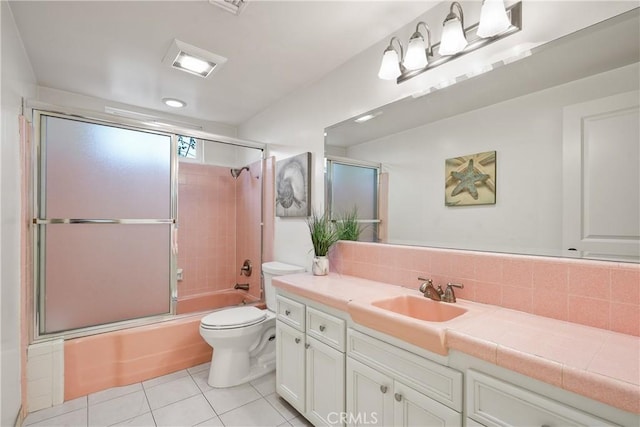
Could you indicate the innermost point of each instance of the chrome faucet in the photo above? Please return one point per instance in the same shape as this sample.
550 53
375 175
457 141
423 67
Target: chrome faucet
449 295
429 291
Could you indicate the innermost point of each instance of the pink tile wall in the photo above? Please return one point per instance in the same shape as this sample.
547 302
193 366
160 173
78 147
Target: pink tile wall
206 228
249 217
595 293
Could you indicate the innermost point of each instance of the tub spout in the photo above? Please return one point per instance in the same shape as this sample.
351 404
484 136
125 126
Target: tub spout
243 286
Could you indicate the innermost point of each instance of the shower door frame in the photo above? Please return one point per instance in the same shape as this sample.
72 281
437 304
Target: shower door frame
39 239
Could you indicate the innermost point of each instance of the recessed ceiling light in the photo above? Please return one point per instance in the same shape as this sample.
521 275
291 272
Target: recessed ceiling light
367 117
192 59
194 65
175 103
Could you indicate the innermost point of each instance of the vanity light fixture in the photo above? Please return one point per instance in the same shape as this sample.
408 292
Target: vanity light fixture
391 65
174 103
453 39
417 52
493 18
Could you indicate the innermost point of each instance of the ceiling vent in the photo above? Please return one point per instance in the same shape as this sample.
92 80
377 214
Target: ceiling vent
192 59
232 6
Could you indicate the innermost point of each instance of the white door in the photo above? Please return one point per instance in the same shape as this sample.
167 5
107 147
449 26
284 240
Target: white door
325 384
414 409
601 177
369 396
290 368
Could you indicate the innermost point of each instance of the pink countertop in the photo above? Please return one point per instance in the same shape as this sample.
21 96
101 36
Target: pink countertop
595 363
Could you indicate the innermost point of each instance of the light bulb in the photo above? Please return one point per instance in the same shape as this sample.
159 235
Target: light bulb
390 66
416 57
453 38
493 18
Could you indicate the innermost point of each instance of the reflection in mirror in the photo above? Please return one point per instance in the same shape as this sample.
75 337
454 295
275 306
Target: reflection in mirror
564 122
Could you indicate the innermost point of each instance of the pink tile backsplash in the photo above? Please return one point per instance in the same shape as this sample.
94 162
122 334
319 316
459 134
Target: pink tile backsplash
601 294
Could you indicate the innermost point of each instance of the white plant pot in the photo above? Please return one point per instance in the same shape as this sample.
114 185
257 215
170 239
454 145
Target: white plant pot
320 266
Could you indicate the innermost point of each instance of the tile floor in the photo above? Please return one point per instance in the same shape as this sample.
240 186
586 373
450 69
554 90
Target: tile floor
182 398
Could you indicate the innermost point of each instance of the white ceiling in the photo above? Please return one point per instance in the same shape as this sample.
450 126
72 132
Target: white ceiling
114 49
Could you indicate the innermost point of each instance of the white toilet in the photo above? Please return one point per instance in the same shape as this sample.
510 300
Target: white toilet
243 338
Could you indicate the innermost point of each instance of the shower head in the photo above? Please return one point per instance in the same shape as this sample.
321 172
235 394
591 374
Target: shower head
235 172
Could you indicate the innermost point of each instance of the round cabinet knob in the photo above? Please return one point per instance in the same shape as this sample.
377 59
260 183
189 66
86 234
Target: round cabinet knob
307 345
398 397
322 328
287 312
297 340
383 389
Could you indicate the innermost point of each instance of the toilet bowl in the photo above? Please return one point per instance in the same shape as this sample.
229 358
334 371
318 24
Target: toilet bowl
243 338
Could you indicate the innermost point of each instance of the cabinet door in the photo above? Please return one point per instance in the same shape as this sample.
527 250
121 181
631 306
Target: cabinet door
369 396
290 367
412 408
325 384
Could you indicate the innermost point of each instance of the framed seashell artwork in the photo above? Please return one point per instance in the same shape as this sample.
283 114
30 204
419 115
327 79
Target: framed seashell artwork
293 186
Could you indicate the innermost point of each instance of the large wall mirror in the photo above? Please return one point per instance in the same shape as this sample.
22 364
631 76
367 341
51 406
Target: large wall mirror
564 123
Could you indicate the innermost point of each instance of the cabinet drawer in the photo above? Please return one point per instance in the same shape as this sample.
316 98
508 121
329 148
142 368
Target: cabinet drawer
290 312
440 383
326 328
493 402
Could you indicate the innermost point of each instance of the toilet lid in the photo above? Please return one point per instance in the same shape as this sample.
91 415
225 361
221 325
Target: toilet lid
233 318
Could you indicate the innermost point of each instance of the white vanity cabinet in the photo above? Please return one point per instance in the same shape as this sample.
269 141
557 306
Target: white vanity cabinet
310 361
388 386
493 402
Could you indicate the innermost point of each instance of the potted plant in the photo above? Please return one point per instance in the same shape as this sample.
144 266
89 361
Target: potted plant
348 227
323 236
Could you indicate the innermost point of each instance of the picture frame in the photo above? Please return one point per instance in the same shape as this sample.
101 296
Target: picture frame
471 180
293 186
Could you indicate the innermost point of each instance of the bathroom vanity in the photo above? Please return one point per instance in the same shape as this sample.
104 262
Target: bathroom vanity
339 364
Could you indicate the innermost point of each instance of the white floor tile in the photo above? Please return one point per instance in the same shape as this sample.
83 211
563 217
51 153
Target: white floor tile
77 418
165 378
282 406
188 412
43 414
213 422
144 420
114 392
266 384
199 368
300 422
171 392
118 409
255 414
226 399
201 379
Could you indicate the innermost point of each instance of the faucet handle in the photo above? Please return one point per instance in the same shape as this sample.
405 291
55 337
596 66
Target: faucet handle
449 294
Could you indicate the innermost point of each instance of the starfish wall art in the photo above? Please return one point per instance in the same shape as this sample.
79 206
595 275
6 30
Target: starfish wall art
471 180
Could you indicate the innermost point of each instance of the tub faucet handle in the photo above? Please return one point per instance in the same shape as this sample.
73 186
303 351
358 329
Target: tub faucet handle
246 268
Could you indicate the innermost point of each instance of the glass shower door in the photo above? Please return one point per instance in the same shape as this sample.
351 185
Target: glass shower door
106 213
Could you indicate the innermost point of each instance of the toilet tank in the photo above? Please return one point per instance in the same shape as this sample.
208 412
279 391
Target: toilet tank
270 270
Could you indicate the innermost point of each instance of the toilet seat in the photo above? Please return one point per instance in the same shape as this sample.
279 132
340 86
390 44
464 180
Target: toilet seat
233 318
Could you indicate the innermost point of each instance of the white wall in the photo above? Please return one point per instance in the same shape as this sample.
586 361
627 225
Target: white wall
298 121
526 132
17 80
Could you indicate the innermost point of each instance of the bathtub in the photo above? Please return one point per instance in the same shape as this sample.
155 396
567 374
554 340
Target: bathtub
132 355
